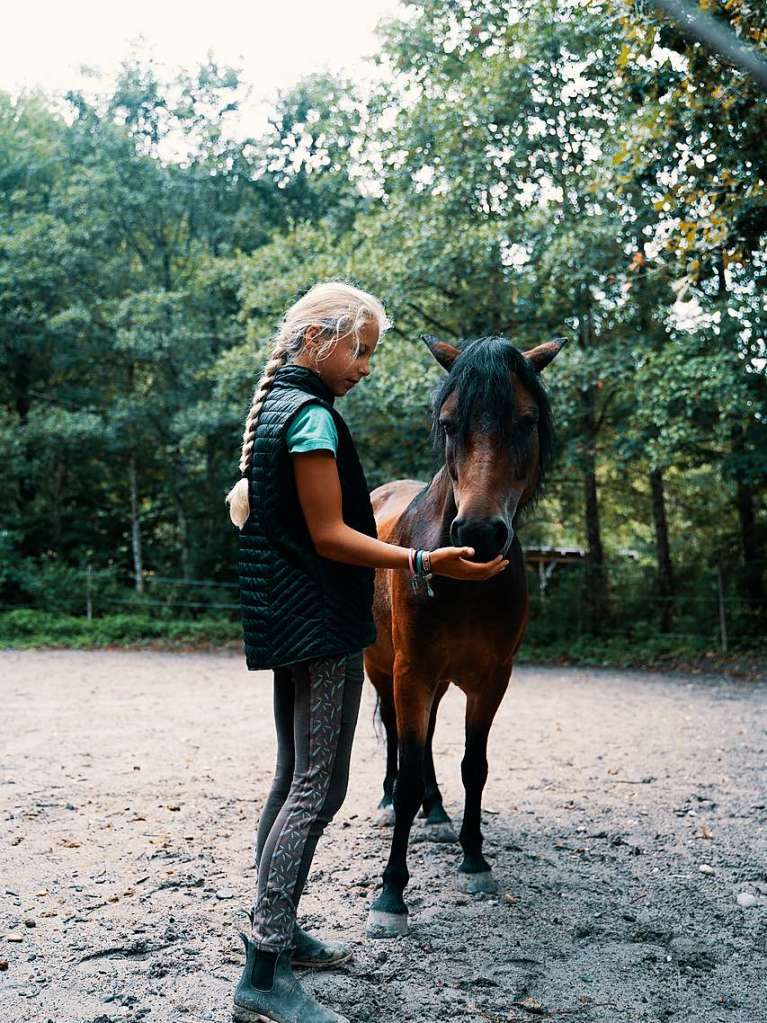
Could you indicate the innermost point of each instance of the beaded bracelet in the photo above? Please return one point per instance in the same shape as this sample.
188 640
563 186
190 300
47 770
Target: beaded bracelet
420 567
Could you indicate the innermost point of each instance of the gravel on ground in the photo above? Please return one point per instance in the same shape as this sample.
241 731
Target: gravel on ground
624 818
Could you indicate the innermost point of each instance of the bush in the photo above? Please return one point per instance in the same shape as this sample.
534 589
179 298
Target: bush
618 651
27 627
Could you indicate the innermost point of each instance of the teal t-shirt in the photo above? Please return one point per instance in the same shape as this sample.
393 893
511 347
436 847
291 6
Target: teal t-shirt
312 429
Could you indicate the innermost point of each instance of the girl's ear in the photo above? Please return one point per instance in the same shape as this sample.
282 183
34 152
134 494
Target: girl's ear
310 335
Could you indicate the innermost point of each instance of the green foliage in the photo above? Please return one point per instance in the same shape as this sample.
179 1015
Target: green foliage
533 170
25 628
694 135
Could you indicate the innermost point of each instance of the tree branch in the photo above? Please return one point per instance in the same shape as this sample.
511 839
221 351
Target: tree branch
722 41
430 319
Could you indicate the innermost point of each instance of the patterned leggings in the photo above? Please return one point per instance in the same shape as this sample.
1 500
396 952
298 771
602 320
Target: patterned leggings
316 704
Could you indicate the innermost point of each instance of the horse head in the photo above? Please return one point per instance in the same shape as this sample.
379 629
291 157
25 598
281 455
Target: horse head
492 430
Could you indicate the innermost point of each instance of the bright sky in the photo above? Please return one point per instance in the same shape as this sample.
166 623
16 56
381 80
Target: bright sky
274 42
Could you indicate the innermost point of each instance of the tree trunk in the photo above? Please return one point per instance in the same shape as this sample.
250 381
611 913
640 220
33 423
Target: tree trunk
56 480
654 334
596 577
663 551
26 480
596 596
752 553
21 384
182 529
138 564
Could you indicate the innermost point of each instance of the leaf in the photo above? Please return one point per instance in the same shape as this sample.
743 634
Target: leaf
531 1004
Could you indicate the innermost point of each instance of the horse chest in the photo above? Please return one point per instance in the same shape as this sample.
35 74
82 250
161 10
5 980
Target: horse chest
462 626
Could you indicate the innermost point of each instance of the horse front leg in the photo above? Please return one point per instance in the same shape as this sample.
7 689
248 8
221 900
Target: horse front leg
439 827
413 700
385 688
481 706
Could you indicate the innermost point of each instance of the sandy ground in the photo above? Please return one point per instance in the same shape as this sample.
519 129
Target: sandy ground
130 785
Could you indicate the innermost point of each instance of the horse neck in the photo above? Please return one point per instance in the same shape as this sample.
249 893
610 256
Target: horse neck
430 522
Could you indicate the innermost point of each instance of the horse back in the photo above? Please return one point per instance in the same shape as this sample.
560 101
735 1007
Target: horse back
390 500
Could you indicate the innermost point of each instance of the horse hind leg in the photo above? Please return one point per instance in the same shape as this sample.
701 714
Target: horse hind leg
438 826
385 688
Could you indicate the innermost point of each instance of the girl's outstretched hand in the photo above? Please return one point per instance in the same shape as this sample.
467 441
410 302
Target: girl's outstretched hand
450 561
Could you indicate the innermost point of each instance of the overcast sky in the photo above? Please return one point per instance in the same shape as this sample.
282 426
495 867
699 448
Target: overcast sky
44 42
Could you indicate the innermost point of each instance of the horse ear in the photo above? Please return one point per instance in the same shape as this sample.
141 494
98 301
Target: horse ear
540 357
444 353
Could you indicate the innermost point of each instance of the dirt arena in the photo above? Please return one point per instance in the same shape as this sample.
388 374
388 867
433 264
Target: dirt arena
624 816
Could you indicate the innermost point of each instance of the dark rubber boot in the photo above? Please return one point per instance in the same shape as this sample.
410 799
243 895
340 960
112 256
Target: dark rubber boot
311 952
285 1002
320 955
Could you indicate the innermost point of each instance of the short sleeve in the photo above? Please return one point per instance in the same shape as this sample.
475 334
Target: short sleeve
312 429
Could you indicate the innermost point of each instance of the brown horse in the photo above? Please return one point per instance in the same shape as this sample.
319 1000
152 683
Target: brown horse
492 434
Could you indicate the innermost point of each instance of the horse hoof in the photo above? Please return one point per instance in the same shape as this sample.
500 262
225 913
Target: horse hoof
442 832
473 884
386 925
385 817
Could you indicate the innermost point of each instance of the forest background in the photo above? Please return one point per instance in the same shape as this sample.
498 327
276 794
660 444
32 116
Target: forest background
536 169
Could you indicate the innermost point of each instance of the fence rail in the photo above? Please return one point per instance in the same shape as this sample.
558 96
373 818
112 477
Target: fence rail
706 616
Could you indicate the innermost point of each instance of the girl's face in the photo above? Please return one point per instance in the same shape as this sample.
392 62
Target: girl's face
342 369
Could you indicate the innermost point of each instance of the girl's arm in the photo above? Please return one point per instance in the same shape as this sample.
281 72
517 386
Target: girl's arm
319 492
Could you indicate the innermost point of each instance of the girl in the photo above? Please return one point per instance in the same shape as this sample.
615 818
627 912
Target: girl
308 551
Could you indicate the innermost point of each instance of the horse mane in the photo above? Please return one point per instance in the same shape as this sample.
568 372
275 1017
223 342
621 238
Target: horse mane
481 374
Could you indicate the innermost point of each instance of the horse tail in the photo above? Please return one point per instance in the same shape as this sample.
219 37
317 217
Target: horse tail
378 719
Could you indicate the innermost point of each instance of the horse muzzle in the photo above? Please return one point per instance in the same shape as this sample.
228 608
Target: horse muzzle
488 536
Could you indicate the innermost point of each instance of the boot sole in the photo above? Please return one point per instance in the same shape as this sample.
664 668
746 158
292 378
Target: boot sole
321 965
240 1015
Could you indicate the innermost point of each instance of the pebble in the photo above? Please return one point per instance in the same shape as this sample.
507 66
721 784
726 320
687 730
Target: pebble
746 900
30 922
3 965
706 868
225 893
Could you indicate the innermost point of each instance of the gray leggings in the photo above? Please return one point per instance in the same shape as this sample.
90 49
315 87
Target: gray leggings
316 704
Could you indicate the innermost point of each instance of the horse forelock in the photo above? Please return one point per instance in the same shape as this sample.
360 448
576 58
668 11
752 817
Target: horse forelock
481 379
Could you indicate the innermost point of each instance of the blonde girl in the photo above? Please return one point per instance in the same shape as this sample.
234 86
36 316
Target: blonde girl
308 554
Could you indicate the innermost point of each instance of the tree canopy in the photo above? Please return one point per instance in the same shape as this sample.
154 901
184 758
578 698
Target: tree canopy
532 170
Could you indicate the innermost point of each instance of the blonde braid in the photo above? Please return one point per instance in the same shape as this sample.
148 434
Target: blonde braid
278 359
238 497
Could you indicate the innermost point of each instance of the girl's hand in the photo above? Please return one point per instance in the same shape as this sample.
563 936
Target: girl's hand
450 561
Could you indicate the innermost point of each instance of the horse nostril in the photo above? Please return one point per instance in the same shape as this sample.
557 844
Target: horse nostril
456 532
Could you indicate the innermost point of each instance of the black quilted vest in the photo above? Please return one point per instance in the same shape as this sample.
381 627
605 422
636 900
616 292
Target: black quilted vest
295 604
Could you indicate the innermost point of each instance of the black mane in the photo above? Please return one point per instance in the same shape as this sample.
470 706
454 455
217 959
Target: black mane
486 399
